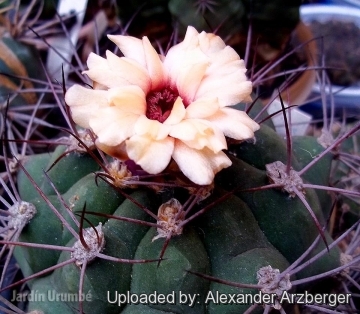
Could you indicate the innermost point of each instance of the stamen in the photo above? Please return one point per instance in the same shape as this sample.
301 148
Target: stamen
160 104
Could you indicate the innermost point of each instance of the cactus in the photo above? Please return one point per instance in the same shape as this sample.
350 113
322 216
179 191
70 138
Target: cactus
232 240
237 234
94 234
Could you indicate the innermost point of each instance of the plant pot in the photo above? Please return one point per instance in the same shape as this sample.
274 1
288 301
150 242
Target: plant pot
345 98
299 89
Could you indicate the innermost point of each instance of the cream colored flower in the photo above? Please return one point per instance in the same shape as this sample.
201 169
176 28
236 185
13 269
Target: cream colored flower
152 108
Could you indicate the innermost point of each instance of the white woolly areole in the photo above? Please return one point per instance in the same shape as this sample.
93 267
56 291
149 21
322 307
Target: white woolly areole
86 138
95 241
21 213
344 260
169 219
276 172
271 282
120 174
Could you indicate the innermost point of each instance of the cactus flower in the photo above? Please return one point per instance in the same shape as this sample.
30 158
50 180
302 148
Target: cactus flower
153 108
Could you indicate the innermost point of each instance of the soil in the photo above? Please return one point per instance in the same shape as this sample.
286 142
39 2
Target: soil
340 43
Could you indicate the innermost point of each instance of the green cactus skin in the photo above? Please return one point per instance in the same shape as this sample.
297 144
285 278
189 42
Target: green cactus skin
35 165
243 267
184 253
351 208
46 228
306 148
237 249
259 155
42 286
230 241
122 239
281 217
256 107
80 165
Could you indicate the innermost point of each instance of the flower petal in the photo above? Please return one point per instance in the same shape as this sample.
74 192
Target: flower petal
191 37
105 123
118 151
153 65
119 72
177 113
151 128
198 134
131 47
128 99
230 89
200 166
183 55
152 156
202 108
225 72
189 43
207 75
83 102
144 53
131 70
223 57
189 80
234 123
210 43
94 60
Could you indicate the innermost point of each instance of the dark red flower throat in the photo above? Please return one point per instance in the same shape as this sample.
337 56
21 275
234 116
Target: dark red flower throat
160 103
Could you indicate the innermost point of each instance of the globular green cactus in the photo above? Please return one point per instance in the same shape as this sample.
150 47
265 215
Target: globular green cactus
240 232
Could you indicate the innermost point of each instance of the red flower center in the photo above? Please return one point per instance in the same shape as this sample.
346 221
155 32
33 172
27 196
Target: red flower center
160 103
